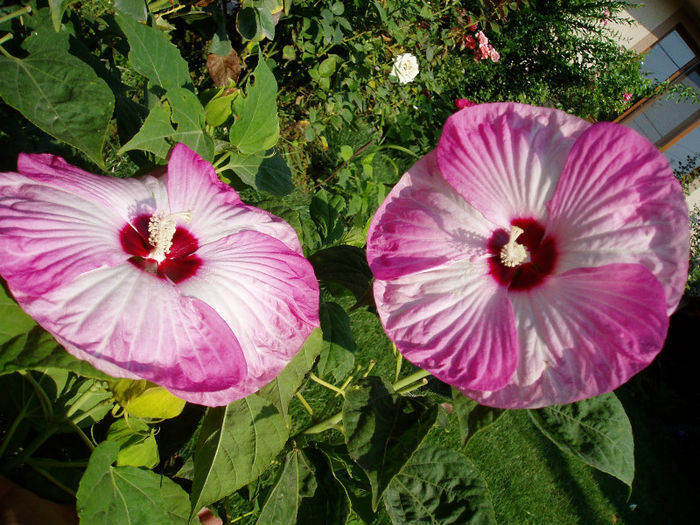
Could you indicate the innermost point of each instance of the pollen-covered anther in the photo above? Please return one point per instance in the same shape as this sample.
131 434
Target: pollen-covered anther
514 254
161 229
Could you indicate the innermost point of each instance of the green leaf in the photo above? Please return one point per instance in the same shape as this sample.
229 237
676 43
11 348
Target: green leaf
345 265
218 109
267 23
58 7
236 444
256 128
439 486
329 504
134 8
337 356
14 321
352 479
383 429
137 443
327 67
296 481
188 117
141 398
325 211
266 171
153 55
127 495
179 118
58 93
346 152
597 430
472 416
153 134
248 23
280 390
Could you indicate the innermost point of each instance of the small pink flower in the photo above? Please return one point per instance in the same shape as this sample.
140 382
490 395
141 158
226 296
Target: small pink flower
472 27
171 279
494 55
483 40
485 51
462 103
626 96
469 42
533 258
606 15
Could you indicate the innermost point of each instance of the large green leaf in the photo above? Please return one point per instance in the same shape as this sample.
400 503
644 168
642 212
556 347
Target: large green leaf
265 171
137 443
127 495
256 128
383 429
153 55
439 487
296 481
134 8
337 356
179 117
236 444
597 430
345 265
280 390
352 479
329 504
472 416
57 92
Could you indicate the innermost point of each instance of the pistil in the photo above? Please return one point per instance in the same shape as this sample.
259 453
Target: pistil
161 229
514 254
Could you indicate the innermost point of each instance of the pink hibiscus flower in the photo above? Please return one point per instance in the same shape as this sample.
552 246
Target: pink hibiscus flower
626 97
483 39
494 55
533 258
171 279
469 42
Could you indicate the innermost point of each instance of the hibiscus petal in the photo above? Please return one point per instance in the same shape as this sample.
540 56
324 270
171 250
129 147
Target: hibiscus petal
130 323
266 293
49 236
127 198
424 223
505 159
618 202
583 333
454 321
217 210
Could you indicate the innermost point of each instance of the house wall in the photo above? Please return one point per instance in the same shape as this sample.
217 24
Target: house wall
653 20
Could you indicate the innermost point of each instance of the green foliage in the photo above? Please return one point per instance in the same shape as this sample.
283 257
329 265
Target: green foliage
127 495
439 486
597 430
236 444
56 91
472 416
383 429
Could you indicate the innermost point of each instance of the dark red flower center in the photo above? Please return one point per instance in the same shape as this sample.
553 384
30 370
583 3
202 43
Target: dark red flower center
542 256
179 263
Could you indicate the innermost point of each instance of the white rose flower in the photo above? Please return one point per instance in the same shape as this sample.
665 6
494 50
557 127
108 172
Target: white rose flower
405 68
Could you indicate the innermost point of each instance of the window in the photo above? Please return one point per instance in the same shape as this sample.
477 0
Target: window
672 125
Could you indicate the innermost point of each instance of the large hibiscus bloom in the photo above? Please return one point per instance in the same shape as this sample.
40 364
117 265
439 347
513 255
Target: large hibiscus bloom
171 279
533 258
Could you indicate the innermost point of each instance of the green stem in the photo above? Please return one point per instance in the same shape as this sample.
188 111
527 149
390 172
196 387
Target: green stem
81 434
305 403
325 424
27 452
403 386
408 380
327 385
53 479
44 400
14 14
6 38
239 518
10 432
